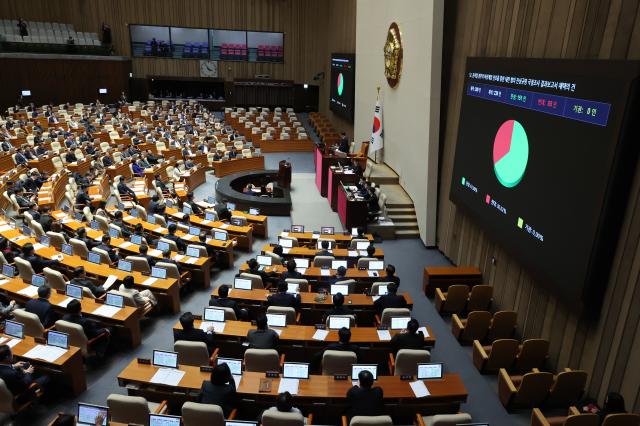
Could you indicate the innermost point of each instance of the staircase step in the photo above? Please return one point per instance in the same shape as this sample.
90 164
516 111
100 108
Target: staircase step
407 234
402 218
401 210
385 180
406 226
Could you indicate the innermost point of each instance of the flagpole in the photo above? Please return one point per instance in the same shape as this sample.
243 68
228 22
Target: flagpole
375 155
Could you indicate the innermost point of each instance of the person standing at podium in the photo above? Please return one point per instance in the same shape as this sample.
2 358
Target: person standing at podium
343 145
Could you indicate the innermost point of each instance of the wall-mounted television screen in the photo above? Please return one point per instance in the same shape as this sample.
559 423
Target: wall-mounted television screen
342 92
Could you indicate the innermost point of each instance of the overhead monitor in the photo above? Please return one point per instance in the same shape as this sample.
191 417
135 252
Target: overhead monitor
342 91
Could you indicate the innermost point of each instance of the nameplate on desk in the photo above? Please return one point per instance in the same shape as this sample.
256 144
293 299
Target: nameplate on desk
197 317
340 377
362 268
321 326
146 361
406 377
206 369
265 385
272 374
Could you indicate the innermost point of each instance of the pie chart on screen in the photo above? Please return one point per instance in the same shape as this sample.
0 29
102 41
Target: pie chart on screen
340 84
510 153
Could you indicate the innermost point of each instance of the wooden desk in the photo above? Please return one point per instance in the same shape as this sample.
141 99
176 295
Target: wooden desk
43 164
353 212
119 169
338 253
312 237
126 321
69 366
80 167
51 192
444 276
195 178
312 310
336 179
318 393
258 222
227 167
322 163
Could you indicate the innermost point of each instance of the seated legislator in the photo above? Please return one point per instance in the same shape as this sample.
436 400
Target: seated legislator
106 246
341 273
262 337
7 310
37 263
144 249
254 268
222 300
363 399
81 234
140 297
91 328
173 237
220 390
284 404
411 338
343 343
291 271
282 298
80 279
390 275
324 244
19 377
192 334
42 307
117 220
338 307
390 300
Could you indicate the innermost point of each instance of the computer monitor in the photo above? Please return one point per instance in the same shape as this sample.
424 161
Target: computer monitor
87 414
399 323
295 370
293 288
277 320
74 291
335 264
133 212
102 91
124 265
25 92
286 243
194 230
254 211
38 280
14 329
213 314
362 245
151 219
376 265
136 239
165 359
192 251
235 365
354 232
94 225
357 368
297 228
340 288
236 221
44 240
327 230
186 210
337 322
264 260
158 272
430 370
242 283
26 230
231 206
301 263
163 246
164 420
67 249
382 290
239 423
8 271
114 233
220 236
319 245
210 216
116 300
57 338
94 257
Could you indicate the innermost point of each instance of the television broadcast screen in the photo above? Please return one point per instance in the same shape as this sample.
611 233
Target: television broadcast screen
343 78
542 163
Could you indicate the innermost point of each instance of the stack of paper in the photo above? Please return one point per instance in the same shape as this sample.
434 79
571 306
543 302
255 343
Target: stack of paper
192 260
4 228
65 302
29 291
218 326
289 385
149 281
168 376
125 244
419 389
320 334
47 353
12 342
38 246
178 257
107 311
3 282
237 378
325 272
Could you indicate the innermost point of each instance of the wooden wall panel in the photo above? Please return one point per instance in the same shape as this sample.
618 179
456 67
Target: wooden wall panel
605 29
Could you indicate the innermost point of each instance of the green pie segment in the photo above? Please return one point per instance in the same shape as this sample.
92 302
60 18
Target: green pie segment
510 153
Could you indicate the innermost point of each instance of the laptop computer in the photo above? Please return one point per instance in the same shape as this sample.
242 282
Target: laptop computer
297 228
94 225
231 206
192 251
163 246
151 219
8 271
67 249
116 300
213 314
399 323
94 257
362 245
335 264
276 320
164 420
38 280
14 329
319 245
354 232
235 365
44 240
113 233
242 283
357 368
57 338
165 359
430 370
301 263
124 265
336 322
220 236
286 243
87 414
209 216
136 239
194 230
339 288
295 370
376 265
264 260
186 210
74 291
158 272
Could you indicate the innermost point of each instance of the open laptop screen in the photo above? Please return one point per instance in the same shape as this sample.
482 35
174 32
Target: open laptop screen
430 370
357 368
295 370
87 414
336 322
165 359
235 365
277 320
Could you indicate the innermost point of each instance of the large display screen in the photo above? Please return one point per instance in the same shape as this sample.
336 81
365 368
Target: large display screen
341 95
542 156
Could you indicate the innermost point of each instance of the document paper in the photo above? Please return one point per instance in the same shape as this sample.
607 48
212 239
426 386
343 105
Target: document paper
419 389
47 353
168 376
289 385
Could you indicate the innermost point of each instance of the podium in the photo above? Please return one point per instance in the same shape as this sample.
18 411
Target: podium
284 174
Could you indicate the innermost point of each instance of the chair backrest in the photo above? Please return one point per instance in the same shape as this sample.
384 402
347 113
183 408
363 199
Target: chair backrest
6 399
79 247
375 287
581 420
476 326
388 313
86 211
128 409
172 244
303 284
229 313
288 311
139 264
320 261
25 270
480 297
456 299
191 353
533 354
56 239
240 219
407 361
256 280
533 389
354 242
502 325
450 419
275 258
352 319
37 228
142 212
371 421
261 360
77 337
278 418
622 419
338 362
116 228
202 250
363 262
567 388
160 220
103 223
503 353
104 256
55 279
32 325
195 414
172 269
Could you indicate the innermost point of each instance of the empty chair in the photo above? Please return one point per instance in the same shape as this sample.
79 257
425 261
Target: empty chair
278 418
292 317
480 298
443 419
261 360
338 362
475 327
191 353
453 301
256 280
503 325
132 409
388 313
490 359
574 418
405 362
25 270
323 261
567 388
369 421
79 247
622 419
532 354
32 325
195 414
526 391
139 263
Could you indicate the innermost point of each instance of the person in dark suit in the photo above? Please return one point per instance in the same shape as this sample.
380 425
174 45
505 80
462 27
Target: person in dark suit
173 237
143 249
262 337
338 307
33 211
411 338
91 328
21 199
390 275
81 234
82 197
70 157
390 300
254 268
343 145
123 189
343 343
220 390
20 158
195 209
107 161
37 263
156 206
324 249
117 220
42 307
19 377
222 300
363 399
192 334
282 298
341 273
80 279
291 271
106 246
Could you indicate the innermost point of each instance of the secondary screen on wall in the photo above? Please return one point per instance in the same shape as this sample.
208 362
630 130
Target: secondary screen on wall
341 95
536 163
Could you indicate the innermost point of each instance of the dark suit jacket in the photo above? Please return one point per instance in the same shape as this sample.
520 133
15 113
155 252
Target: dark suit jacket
112 253
407 341
341 310
222 395
83 282
225 303
263 339
390 301
349 347
91 328
364 402
195 335
83 198
16 380
181 244
384 279
43 309
284 299
294 274
38 263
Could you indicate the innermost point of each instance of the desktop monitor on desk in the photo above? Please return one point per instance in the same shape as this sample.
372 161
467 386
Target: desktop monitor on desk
297 228
14 329
235 365
164 420
57 338
338 322
87 414
165 359
115 300
74 291
295 370
357 368
277 320
430 370
301 262
214 314
158 272
38 280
